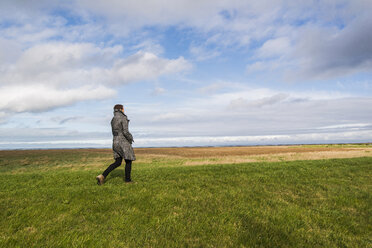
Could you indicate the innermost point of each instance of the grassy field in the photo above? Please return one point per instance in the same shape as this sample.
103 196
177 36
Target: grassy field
189 197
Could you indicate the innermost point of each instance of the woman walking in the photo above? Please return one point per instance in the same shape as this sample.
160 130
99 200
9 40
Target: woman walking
122 145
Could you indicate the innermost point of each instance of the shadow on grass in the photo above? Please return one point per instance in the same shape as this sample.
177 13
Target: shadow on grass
116 173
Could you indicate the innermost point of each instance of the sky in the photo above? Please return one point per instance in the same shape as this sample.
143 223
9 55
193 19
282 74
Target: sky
189 73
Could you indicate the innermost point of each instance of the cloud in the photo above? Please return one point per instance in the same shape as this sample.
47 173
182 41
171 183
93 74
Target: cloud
324 53
240 103
57 53
62 121
301 138
352 126
56 74
60 64
158 91
37 98
145 66
26 134
321 39
215 87
169 117
274 48
149 46
3 117
10 51
271 65
141 13
274 117
201 53
258 111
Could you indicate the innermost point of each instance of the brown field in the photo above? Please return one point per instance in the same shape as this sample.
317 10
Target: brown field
189 156
228 155
197 152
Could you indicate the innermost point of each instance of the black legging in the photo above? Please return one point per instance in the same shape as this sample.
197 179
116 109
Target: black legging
117 163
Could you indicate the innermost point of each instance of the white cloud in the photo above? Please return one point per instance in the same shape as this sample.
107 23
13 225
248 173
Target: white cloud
329 49
348 126
256 66
3 116
201 53
267 65
274 48
38 98
241 103
59 64
149 46
49 60
145 66
57 74
158 91
258 111
218 86
169 117
9 52
253 96
141 13
270 117
301 138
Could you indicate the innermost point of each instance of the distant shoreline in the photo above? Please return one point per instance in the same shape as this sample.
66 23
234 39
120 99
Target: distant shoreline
157 147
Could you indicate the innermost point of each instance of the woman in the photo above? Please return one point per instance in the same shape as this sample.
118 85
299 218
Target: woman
122 145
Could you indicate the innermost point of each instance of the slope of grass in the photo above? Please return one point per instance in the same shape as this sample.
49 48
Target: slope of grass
50 199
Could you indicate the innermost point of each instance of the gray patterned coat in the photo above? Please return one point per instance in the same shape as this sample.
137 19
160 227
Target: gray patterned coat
123 139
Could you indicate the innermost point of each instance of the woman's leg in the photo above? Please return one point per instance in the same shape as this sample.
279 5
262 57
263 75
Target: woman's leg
112 166
128 169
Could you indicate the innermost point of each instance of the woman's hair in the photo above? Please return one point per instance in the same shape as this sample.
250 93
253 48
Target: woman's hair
118 106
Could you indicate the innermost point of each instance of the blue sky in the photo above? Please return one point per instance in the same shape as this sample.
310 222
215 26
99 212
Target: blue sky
189 73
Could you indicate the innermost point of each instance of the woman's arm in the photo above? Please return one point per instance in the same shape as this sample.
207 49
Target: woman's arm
126 132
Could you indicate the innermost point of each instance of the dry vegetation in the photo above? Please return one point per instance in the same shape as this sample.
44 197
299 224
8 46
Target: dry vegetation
190 156
197 152
231 155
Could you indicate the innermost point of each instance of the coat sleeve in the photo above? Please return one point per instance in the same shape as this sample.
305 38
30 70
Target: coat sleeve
126 132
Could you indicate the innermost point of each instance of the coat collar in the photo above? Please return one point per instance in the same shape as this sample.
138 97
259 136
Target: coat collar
118 112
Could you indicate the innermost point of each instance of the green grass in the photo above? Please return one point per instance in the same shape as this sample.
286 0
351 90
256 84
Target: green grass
50 199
